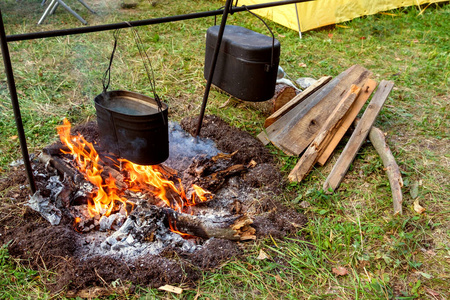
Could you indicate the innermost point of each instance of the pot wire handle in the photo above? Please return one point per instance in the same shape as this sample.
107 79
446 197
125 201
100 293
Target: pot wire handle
107 75
270 30
147 65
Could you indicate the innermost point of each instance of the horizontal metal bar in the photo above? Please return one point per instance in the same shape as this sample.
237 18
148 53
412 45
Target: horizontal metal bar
96 28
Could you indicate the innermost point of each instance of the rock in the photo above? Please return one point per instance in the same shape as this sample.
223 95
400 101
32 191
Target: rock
305 82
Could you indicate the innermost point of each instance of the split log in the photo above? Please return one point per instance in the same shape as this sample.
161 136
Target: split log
279 112
294 131
358 137
348 120
235 228
378 140
283 94
313 152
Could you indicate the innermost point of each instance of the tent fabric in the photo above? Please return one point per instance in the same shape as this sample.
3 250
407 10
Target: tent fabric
321 13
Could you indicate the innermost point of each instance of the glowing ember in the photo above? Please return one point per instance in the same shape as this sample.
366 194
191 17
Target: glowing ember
147 179
173 228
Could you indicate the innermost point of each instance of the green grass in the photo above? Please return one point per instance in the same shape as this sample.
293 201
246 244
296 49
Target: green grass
387 257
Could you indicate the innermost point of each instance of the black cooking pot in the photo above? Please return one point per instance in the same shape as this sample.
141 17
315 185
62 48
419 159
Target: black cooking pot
133 126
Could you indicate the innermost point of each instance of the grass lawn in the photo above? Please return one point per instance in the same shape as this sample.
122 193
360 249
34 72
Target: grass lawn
384 256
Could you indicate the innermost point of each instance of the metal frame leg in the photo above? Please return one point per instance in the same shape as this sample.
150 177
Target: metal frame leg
54 8
47 11
85 5
54 4
72 12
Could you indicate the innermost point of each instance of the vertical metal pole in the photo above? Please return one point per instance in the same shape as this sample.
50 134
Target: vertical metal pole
213 65
298 21
15 104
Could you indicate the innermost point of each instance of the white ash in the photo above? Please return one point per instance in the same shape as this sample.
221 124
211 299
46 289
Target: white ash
112 222
45 208
142 233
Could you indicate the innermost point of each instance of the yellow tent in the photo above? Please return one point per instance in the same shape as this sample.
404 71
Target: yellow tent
309 15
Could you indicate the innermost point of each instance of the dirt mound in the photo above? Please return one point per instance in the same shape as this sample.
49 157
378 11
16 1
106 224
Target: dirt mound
57 248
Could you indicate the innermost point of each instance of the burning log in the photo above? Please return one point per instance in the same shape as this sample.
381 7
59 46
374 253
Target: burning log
63 168
236 228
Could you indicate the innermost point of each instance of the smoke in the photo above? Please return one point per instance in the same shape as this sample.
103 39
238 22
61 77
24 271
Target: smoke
183 147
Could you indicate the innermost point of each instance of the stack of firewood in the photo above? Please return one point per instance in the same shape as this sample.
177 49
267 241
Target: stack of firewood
313 122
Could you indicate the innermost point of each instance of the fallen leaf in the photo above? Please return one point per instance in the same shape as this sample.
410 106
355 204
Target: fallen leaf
13 137
278 278
427 276
418 208
330 35
262 255
340 271
302 65
171 289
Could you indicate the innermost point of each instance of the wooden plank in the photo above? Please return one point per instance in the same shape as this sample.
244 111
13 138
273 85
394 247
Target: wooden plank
280 111
294 131
358 137
302 108
312 153
366 91
262 136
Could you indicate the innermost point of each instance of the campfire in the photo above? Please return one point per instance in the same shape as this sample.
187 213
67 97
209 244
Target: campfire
117 204
112 219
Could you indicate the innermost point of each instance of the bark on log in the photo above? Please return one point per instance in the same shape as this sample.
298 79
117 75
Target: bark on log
378 140
235 228
282 95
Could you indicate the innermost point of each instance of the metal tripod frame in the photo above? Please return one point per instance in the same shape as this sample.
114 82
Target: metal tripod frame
4 40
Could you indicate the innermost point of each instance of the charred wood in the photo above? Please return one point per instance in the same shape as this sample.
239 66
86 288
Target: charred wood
235 228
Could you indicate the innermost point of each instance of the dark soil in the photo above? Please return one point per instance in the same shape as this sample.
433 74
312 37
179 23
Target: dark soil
55 248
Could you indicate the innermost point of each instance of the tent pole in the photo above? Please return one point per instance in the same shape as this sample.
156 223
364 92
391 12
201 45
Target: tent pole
298 21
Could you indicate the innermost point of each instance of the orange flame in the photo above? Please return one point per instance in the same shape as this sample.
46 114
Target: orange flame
87 161
150 179
173 228
139 178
